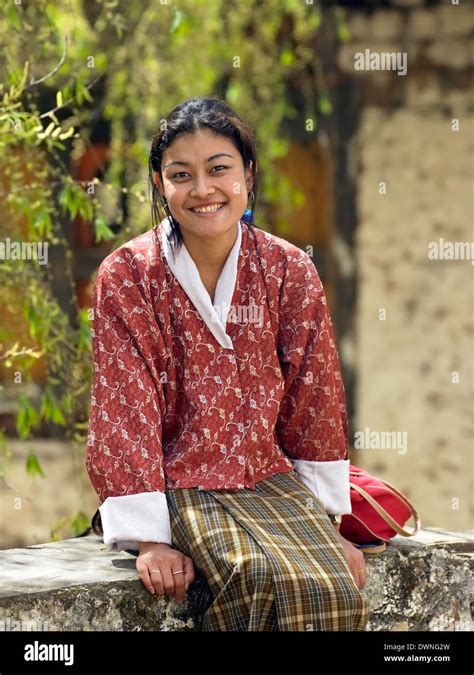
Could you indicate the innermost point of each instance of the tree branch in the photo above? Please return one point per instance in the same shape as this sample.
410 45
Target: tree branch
34 82
58 107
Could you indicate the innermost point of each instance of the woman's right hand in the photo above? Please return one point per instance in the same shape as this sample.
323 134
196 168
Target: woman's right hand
156 564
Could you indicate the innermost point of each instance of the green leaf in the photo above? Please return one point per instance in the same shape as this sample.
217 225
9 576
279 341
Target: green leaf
27 417
47 131
33 467
102 230
343 32
234 92
67 134
35 325
67 403
177 18
84 341
43 223
57 416
287 58
67 199
279 147
13 16
50 410
72 198
79 522
181 25
342 29
82 93
84 205
325 105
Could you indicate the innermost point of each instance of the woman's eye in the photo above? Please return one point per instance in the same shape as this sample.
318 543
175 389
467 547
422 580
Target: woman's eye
219 167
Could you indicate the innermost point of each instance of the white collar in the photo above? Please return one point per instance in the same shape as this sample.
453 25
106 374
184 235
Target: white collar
184 269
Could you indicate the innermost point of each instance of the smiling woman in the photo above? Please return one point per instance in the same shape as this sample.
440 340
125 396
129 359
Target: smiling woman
196 135
206 197
203 169
218 444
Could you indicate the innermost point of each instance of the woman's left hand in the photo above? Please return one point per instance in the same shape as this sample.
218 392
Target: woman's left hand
356 561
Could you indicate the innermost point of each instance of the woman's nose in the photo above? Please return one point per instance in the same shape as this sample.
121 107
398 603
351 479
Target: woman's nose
202 187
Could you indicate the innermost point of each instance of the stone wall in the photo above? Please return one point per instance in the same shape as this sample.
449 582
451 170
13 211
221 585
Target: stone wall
411 158
415 585
32 508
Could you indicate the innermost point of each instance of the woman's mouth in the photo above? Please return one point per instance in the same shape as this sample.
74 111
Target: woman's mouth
208 211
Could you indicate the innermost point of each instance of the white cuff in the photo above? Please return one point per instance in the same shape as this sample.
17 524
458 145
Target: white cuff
329 481
130 519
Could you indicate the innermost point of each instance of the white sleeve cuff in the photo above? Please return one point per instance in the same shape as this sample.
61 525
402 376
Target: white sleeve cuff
329 481
130 519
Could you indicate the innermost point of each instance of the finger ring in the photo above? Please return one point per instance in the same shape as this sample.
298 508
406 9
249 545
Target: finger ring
180 572
151 571
362 569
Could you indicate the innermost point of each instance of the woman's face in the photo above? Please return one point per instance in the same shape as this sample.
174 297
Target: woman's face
204 169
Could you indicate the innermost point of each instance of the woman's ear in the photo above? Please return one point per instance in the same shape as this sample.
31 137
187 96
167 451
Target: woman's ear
249 176
159 185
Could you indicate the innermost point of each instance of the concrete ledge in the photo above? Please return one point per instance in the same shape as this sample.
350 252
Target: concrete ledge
420 584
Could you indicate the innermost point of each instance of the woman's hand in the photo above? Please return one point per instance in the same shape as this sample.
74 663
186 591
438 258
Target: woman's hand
164 570
356 561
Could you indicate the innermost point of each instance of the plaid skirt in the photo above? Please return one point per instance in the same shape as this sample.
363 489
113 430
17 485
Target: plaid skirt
270 556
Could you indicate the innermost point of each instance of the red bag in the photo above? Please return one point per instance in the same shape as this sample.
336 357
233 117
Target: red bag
379 510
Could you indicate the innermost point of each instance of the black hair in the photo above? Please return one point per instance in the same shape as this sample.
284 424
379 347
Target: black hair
188 117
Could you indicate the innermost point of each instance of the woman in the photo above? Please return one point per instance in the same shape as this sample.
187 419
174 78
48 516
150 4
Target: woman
218 428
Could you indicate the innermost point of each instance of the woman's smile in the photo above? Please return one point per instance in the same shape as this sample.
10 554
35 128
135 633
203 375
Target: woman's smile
208 211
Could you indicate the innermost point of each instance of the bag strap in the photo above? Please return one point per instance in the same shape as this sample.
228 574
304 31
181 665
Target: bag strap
385 515
390 488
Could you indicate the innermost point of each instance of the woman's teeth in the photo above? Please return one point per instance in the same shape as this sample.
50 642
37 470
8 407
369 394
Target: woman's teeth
208 209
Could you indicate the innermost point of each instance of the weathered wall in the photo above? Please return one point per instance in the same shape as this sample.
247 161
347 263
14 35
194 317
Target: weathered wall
31 507
415 585
405 361
75 584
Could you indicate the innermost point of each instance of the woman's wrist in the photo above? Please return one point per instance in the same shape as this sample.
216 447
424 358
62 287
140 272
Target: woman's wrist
144 546
335 520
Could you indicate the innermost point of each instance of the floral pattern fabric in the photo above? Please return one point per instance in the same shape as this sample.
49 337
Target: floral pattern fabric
173 408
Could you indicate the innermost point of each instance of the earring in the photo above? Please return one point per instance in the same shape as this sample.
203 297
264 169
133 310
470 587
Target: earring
251 195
